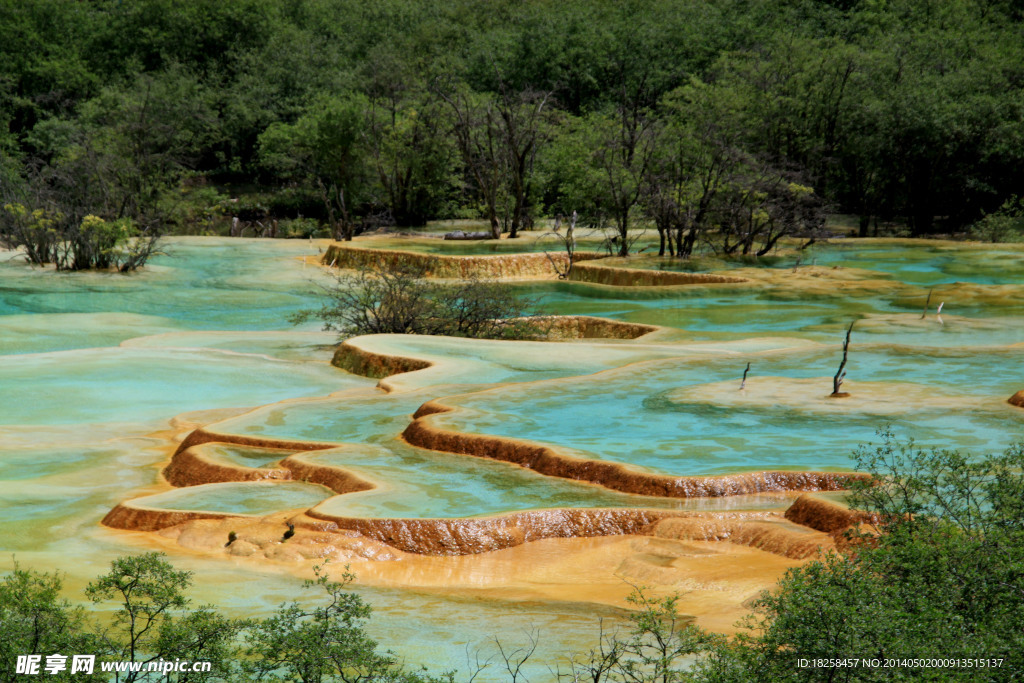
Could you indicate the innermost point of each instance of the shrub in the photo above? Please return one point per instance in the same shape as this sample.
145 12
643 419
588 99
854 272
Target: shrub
54 236
1006 224
941 579
403 301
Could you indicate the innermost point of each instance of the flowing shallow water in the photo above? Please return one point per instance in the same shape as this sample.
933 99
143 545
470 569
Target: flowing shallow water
94 367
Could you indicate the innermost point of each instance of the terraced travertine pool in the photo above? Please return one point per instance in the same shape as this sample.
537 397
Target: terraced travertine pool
100 374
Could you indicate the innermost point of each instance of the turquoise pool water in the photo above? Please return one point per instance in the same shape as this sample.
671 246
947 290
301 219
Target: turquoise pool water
248 498
632 418
917 263
94 367
246 456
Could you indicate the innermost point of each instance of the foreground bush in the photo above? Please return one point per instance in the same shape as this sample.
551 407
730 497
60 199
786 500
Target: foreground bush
944 579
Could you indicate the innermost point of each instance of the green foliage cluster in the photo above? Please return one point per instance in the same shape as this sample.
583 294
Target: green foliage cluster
154 621
35 619
1005 224
941 580
698 117
51 236
661 646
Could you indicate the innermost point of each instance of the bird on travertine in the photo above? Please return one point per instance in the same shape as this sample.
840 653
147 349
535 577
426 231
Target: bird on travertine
288 534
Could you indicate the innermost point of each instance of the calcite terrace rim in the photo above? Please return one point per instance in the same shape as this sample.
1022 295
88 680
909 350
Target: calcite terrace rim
189 466
531 266
549 461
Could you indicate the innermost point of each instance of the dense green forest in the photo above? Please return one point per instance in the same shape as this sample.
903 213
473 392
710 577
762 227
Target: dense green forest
744 115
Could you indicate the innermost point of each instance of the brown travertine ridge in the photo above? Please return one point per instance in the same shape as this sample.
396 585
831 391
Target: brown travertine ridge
524 266
138 518
519 266
636 277
468 536
548 461
825 515
359 361
203 435
592 327
338 479
1017 399
768 534
192 467
764 531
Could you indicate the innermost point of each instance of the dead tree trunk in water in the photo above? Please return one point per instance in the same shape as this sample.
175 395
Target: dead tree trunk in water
743 384
569 240
927 301
837 381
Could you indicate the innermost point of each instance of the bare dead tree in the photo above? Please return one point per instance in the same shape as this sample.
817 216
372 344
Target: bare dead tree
515 658
926 302
523 116
476 666
498 137
477 128
598 664
837 381
568 240
743 383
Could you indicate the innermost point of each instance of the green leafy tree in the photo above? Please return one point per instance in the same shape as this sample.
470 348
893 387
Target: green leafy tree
623 145
325 146
135 144
663 643
324 642
152 622
37 231
601 162
411 152
36 620
698 159
1006 224
660 647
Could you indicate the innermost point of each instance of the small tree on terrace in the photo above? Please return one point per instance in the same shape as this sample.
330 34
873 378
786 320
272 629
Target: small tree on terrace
401 300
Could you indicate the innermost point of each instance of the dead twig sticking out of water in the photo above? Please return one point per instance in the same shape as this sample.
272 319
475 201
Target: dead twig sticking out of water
837 381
